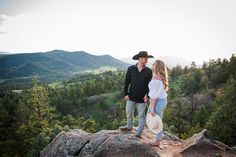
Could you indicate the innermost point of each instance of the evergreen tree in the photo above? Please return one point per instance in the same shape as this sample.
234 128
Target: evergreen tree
176 115
43 113
35 116
222 122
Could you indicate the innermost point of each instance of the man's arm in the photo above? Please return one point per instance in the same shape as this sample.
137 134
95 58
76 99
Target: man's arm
127 82
149 79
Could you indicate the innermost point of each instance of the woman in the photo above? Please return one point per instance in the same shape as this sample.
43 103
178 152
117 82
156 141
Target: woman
158 87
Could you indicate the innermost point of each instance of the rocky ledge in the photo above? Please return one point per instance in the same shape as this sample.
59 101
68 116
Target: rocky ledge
114 143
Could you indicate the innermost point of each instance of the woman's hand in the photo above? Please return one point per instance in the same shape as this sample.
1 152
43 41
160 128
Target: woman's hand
152 105
153 113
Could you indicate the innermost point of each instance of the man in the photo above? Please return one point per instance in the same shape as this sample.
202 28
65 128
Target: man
135 90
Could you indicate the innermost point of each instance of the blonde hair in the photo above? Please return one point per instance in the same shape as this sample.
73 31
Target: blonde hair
161 69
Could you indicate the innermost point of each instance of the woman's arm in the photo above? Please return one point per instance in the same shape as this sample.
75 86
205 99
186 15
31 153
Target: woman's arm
152 106
155 92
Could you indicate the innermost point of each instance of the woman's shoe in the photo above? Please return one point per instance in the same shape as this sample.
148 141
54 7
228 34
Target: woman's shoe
156 143
138 136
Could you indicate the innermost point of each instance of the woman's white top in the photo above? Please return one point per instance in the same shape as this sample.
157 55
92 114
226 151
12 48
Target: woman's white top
156 89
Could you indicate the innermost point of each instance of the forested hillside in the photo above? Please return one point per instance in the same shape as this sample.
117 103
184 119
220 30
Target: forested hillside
199 97
51 66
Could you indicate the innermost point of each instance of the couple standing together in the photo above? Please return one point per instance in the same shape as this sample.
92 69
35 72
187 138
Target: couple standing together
143 84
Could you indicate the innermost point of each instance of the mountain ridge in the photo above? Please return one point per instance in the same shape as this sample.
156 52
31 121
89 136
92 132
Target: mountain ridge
55 63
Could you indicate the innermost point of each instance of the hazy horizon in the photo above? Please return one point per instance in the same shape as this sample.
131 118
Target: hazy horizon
174 59
192 30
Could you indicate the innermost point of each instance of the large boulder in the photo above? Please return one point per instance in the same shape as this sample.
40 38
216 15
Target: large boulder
66 144
107 143
202 145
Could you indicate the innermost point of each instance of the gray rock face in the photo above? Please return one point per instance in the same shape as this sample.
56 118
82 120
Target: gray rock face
201 145
107 143
66 144
114 143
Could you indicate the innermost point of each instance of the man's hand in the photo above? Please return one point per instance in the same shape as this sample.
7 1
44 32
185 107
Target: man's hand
145 98
126 98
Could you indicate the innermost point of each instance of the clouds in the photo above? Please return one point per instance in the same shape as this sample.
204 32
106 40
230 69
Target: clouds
15 7
1 19
187 29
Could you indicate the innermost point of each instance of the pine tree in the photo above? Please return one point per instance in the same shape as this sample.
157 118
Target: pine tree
43 113
175 114
36 116
222 122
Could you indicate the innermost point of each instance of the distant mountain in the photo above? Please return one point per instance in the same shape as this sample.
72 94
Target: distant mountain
4 53
170 61
56 64
173 61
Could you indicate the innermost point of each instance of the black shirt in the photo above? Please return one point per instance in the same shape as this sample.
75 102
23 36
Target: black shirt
138 82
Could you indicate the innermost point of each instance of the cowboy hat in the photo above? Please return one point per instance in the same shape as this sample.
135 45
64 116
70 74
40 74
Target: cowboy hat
142 54
154 123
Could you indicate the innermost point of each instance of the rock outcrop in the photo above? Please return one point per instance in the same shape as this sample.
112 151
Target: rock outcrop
66 144
202 145
114 143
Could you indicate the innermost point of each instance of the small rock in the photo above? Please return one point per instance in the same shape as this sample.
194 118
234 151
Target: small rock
169 136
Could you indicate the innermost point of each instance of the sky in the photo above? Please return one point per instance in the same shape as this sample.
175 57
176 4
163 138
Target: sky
196 30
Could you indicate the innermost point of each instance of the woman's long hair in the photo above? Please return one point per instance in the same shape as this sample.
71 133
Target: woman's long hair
162 71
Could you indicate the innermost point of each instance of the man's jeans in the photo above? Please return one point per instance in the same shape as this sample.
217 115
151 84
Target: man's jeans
130 105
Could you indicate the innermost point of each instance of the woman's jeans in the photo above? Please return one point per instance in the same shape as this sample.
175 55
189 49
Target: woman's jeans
158 109
130 105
